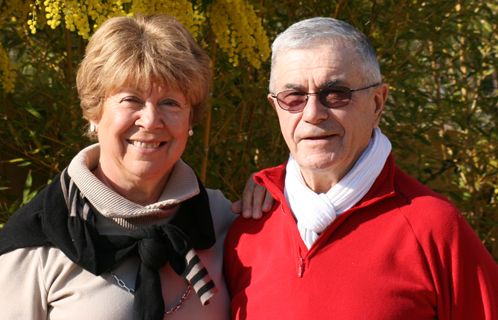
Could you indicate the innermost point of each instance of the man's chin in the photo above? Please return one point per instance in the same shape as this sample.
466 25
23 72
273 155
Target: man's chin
317 162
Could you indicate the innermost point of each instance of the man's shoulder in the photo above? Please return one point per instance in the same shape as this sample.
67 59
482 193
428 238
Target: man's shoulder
273 179
242 225
427 211
415 194
245 236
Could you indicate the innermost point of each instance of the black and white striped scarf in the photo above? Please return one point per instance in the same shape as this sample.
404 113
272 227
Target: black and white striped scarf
156 245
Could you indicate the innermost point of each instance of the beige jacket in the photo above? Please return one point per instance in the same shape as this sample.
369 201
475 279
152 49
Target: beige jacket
42 283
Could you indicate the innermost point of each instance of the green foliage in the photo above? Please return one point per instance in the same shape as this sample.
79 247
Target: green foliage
438 57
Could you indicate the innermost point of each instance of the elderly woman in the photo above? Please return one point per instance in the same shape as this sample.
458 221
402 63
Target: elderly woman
127 231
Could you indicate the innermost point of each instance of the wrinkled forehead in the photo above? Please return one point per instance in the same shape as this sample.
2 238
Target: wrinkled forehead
318 67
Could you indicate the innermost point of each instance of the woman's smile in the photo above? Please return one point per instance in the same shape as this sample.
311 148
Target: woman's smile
146 145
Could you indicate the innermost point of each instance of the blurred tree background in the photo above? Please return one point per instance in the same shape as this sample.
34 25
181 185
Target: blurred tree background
438 57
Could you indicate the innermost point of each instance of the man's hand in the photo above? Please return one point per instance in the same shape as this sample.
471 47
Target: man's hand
256 199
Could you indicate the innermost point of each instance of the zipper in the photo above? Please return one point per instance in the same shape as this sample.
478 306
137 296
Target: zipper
300 268
330 229
301 261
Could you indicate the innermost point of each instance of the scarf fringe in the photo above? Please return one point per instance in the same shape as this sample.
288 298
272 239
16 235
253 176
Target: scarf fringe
197 274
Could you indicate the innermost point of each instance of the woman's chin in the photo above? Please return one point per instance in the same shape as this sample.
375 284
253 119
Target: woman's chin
149 172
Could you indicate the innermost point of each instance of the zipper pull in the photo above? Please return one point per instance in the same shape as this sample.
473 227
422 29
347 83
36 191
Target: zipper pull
301 268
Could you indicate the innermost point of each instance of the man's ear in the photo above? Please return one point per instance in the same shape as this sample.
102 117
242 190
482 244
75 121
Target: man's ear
379 100
272 101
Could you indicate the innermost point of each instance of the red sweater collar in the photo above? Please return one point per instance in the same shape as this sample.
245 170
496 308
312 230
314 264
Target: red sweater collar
274 179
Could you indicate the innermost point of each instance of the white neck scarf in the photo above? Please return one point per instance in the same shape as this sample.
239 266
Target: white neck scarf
315 212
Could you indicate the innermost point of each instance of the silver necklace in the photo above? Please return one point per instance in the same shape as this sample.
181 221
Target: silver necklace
180 303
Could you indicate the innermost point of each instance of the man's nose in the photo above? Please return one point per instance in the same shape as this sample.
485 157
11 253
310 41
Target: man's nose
315 111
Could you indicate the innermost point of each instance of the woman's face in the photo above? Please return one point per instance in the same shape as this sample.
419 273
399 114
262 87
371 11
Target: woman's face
142 134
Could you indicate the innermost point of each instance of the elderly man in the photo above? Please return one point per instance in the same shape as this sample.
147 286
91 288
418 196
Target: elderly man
350 235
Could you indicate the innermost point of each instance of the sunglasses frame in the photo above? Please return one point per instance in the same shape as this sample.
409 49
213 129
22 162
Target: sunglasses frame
307 94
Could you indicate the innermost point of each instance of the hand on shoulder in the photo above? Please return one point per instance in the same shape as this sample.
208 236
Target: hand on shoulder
256 200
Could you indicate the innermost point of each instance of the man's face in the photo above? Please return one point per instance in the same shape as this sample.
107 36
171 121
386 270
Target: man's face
326 142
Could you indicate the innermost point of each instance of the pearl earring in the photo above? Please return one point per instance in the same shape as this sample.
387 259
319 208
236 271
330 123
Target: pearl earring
93 128
190 132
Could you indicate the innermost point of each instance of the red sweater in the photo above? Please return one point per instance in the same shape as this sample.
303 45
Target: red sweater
403 252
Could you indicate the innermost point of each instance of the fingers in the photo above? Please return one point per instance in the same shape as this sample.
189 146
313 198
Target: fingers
258 198
268 203
237 207
247 197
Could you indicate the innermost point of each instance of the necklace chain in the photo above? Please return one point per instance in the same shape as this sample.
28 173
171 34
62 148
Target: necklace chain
180 303
122 284
182 300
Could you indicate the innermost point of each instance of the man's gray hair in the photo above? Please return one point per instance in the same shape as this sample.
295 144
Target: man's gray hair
311 33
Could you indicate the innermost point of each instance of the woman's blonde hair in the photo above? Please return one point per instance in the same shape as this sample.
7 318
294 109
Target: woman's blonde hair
138 51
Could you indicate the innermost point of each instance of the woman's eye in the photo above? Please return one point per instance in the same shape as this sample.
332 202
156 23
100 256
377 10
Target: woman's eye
132 100
170 104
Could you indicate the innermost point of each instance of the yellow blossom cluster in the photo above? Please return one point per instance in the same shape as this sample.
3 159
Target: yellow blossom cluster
77 14
13 9
10 10
183 10
35 21
53 10
7 72
84 16
239 31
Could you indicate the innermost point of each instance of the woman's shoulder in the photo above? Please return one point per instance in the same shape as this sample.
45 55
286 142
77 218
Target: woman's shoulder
39 267
220 210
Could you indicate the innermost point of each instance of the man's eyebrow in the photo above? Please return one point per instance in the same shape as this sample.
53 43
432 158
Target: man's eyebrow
293 86
332 83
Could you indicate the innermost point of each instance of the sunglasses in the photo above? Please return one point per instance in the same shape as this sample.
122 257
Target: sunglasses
331 97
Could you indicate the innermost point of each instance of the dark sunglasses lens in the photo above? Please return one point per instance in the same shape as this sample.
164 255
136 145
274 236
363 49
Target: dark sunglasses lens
292 100
335 97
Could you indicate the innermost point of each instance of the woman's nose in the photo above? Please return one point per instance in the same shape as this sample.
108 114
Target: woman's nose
150 118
